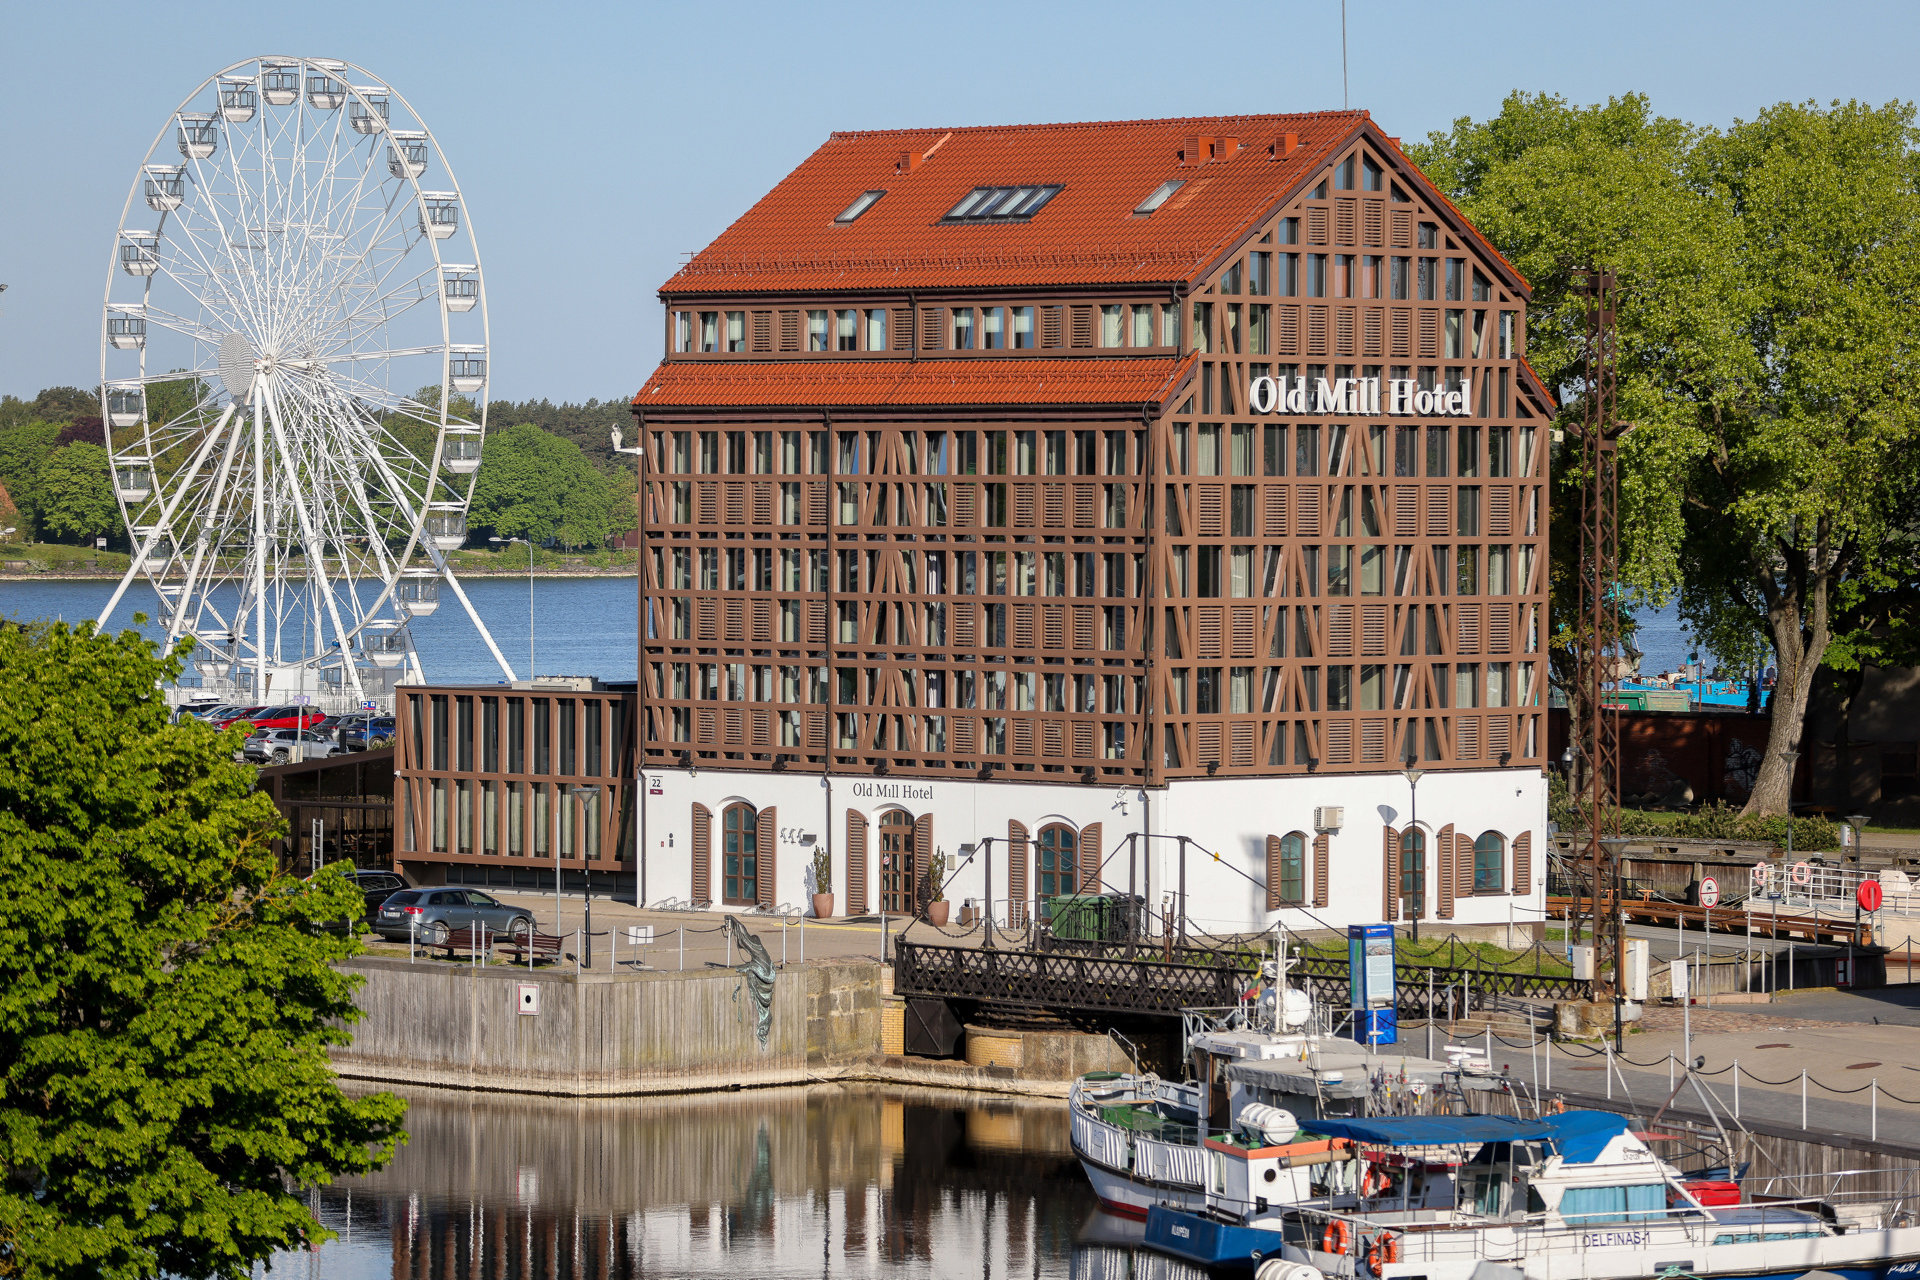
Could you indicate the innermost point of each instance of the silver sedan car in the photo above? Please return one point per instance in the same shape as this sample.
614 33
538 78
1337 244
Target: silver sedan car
431 914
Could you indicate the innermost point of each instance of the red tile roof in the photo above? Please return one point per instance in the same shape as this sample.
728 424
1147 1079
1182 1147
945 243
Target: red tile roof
872 383
1087 234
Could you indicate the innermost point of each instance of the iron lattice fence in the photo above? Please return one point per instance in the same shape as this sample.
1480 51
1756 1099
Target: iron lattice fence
1061 981
1423 988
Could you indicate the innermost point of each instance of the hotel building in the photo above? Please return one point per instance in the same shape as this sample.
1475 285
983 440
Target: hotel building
1084 487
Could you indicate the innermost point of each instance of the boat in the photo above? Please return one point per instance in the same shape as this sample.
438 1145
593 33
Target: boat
1574 1196
1269 1071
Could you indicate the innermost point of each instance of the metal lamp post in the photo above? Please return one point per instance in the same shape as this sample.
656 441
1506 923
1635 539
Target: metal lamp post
529 542
587 873
1413 776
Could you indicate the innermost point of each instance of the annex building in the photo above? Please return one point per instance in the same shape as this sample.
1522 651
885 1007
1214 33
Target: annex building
1064 483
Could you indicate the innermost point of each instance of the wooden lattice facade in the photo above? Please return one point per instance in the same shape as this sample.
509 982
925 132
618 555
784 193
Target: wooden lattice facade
1055 516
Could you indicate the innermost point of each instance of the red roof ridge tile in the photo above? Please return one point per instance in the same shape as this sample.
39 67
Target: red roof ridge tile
1063 380
1355 113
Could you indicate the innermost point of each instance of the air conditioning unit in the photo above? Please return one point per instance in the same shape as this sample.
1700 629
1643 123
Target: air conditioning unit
1329 817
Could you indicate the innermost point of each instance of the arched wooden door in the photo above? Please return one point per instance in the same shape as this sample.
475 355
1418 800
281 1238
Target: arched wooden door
896 862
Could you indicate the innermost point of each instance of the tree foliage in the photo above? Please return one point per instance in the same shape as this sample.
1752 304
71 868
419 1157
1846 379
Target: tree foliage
532 484
75 493
168 996
1767 330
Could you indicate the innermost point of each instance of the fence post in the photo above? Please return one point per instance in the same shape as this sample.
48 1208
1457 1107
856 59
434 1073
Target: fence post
729 948
1549 1052
1489 1046
783 942
1670 1071
1873 1098
1736 1088
1606 1054
680 935
803 939
1803 1097
577 949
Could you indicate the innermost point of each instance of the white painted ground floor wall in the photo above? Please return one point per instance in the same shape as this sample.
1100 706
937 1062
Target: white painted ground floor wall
1227 822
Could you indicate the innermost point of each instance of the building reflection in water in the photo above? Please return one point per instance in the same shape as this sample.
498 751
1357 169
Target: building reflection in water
825 1181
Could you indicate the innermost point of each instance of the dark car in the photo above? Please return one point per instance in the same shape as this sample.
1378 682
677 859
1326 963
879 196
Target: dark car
376 887
431 914
367 735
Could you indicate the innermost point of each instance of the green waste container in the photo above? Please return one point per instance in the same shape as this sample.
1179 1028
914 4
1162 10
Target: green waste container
1089 917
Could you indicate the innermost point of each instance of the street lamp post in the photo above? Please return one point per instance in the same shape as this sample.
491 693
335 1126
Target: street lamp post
586 862
503 542
1413 776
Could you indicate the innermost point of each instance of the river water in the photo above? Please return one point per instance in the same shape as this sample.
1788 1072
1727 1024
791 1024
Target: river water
762 1185
581 626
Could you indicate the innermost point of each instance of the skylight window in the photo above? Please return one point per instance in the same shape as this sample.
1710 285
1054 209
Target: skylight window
1001 204
1159 196
866 201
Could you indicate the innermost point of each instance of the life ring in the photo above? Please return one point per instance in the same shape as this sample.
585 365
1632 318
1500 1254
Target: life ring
1375 1182
1384 1249
1336 1238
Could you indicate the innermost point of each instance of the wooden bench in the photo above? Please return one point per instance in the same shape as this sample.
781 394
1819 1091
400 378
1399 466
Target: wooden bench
542 946
470 940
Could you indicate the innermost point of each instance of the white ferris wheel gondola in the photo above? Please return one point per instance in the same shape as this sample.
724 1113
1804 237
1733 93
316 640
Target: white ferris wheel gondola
293 381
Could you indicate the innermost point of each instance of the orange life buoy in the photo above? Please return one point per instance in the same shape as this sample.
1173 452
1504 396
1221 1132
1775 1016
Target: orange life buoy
1384 1249
1336 1238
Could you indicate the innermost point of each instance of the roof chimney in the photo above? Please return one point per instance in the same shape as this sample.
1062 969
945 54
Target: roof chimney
907 162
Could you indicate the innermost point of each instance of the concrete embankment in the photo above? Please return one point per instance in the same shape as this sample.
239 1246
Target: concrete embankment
553 1031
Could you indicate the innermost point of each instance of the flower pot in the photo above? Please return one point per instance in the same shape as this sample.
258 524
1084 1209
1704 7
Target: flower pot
937 913
822 905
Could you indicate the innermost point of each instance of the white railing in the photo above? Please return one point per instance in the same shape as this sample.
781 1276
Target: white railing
1168 1162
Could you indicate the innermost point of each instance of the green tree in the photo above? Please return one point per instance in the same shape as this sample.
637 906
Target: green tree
74 493
24 448
532 484
1768 326
168 996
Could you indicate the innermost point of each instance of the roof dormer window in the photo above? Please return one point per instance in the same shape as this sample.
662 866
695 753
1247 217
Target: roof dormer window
1159 196
1001 204
866 201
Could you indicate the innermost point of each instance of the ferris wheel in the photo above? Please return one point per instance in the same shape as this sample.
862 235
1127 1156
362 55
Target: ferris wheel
293 374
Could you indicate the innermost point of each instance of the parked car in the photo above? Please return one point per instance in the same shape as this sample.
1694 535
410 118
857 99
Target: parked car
232 715
285 717
367 735
431 914
276 746
194 710
376 887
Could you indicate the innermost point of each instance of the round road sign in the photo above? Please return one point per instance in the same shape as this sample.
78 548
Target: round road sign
1709 892
1802 873
1868 895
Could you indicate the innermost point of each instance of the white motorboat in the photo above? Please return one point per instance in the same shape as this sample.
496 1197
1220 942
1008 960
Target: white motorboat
1576 1196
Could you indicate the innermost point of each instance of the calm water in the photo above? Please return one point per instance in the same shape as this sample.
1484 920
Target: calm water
582 626
823 1181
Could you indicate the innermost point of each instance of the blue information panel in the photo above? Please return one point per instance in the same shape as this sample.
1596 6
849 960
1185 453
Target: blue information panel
1370 983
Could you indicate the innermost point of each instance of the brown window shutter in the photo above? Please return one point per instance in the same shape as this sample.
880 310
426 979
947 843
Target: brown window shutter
789 330
922 851
1389 872
1372 218
1320 870
856 863
1343 219
1050 326
1316 224
1522 863
762 330
1463 865
1090 854
933 328
900 329
702 854
1273 873
1016 874
766 851
1444 853
1082 327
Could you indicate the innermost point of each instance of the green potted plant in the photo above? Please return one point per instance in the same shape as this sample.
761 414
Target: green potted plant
822 882
937 904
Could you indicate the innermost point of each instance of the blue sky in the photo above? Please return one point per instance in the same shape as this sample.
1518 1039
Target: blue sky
599 144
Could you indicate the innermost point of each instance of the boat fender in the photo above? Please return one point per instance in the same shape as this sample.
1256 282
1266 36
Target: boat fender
1336 1238
1281 1269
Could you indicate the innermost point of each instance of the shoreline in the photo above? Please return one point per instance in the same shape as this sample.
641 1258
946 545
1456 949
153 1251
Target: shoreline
622 572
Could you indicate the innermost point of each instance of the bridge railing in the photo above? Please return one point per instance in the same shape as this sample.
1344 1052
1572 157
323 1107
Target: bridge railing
1036 979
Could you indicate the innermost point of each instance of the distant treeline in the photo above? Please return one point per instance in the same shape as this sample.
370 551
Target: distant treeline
548 471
